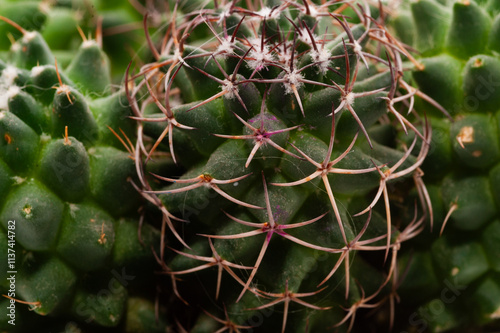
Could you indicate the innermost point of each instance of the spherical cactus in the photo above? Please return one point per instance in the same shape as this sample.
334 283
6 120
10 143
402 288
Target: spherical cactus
460 69
69 211
267 139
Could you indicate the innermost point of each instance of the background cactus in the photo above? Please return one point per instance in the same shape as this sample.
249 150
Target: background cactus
455 269
267 140
62 24
68 209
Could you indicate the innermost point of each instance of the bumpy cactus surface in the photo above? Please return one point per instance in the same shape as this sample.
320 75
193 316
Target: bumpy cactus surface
454 278
267 139
71 255
61 22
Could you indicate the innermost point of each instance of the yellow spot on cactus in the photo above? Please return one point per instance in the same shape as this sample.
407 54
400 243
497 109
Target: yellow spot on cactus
455 271
466 135
478 63
477 153
7 138
206 178
18 180
28 211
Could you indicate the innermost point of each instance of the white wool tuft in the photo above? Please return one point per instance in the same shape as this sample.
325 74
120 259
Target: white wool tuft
268 13
357 48
89 43
230 88
294 78
225 48
349 98
322 59
261 58
37 70
29 36
9 74
13 91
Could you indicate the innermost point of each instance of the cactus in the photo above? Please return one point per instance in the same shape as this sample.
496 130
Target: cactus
68 209
460 69
267 139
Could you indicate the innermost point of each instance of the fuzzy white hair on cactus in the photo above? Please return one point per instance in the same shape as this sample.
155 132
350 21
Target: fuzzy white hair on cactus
322 59
293 78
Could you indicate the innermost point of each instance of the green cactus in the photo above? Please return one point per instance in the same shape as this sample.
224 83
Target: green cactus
267 140
280 146
68 207
63 23
460 69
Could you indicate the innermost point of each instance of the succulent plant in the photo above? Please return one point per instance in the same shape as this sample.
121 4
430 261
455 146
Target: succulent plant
286 149
268 139
453 275
68 209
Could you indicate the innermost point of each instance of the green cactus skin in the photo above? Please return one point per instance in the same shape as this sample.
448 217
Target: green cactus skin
270 127
66 179
462 73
